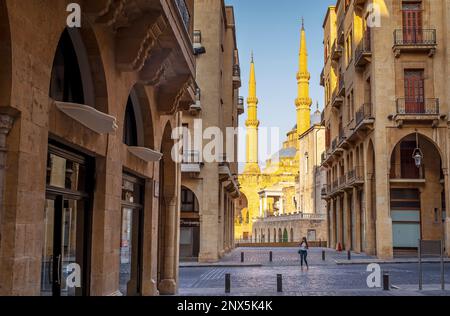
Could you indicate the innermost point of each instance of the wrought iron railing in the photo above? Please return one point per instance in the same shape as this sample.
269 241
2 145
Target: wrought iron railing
415 37
363 113
418 106
365 46
184 12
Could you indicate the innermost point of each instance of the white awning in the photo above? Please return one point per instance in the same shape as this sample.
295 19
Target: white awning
146 154
96 121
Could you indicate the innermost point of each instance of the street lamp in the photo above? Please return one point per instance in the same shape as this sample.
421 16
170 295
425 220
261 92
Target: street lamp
418 154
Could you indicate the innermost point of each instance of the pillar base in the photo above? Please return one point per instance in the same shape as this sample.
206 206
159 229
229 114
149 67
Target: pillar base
168 287
149 288
208 258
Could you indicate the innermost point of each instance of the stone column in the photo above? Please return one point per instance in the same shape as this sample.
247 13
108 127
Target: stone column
281 205
346 219
332 224
6 123
168 284
339 222
446 221
370 218
357 209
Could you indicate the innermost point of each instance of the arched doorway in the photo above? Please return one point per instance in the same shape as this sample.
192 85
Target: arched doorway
285 236
168 226
189 226
417 193
69 191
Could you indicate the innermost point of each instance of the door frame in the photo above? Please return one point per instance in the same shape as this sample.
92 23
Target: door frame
55 193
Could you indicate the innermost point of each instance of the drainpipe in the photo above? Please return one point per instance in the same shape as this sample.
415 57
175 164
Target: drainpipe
7 117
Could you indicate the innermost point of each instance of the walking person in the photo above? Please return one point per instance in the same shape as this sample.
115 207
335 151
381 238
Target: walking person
304 252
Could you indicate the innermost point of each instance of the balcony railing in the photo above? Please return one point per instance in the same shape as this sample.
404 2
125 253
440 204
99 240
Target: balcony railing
415 37
340 30
184 12
342 181
342 136
363 113
417 106
335 185
334 144
336 51
363 51
355 175
408 171
191 157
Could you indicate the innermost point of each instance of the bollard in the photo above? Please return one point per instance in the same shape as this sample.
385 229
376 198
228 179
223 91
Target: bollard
349 255
386 281
323 255
271 256
242 257
227 283
279 283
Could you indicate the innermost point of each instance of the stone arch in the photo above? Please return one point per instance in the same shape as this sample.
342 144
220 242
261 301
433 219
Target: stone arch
274 235
285 235
167 225
405 134
139 102
421 194
83 44
5 56
292 235
280 235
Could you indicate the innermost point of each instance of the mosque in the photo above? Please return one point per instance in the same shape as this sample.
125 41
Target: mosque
282 202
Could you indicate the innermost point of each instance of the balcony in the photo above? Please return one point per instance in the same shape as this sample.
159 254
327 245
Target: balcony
240 106
236 76
343 141
364 122
184 12
355 177
363 52
413 40
337 101
191 162
342 181
407 172
418 110
336 51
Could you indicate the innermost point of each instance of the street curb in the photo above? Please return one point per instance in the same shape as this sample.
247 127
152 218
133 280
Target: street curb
380 261
206 265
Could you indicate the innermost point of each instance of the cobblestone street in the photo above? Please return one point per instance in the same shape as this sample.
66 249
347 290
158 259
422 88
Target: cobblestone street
258 276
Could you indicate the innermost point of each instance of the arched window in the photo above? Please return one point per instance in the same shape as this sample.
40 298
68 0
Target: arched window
66 84
189 202
130 136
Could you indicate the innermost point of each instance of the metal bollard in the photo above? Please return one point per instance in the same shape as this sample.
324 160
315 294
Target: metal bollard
242 257
227 283
279 283
323 255
271 256
386 281
349 255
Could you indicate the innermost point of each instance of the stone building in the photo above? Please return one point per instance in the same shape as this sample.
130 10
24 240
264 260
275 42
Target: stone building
209 188
281 207
386 117
87 179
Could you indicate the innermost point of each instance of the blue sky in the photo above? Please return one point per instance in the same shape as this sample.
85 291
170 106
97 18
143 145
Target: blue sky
272 30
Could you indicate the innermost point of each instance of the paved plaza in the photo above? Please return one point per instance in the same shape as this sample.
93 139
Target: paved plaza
257 276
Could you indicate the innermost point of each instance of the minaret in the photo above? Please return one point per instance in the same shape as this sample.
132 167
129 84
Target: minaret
252 124
303 101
